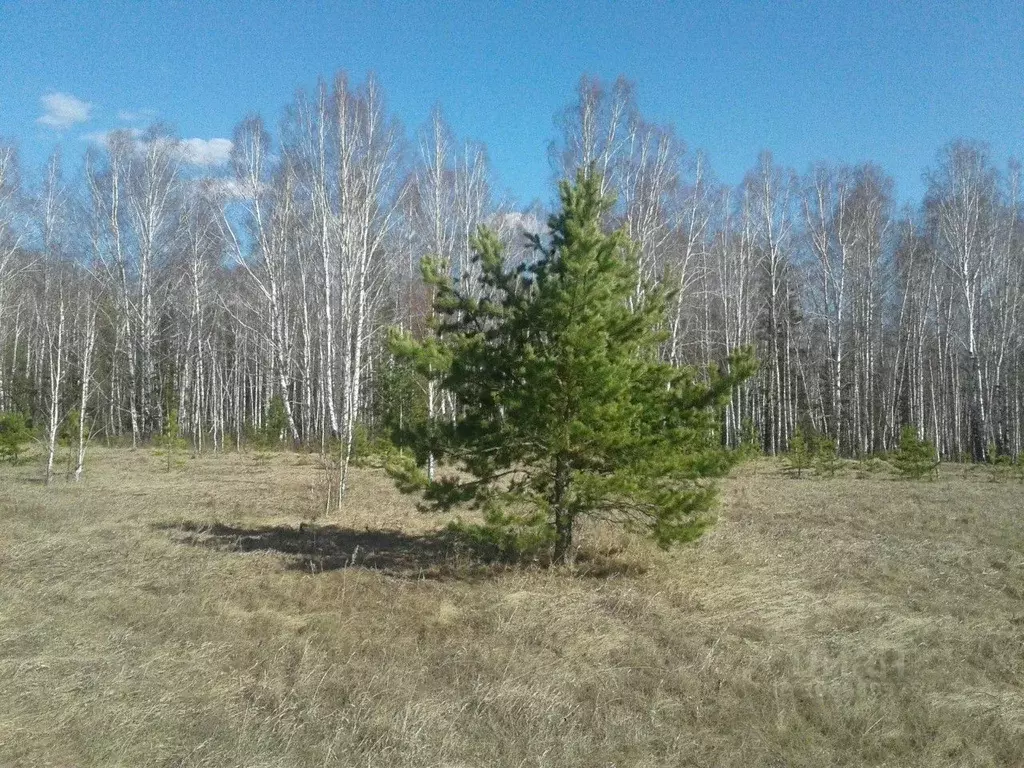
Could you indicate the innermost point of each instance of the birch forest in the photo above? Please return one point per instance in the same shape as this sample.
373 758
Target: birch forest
136 286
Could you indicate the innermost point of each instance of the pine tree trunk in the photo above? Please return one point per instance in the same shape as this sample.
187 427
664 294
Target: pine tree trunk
563 516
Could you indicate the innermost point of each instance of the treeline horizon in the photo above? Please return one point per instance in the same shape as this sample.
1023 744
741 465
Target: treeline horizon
258 297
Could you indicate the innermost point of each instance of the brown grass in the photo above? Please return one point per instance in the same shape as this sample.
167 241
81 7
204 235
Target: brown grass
183 619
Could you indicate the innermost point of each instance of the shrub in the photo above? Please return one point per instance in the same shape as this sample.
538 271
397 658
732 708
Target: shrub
799 456
871 465
915 458
170 443
273 430
369 449
14 433
826 458
275 426
1002 464
750 446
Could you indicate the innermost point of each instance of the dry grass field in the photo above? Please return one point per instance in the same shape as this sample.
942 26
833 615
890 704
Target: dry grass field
182 618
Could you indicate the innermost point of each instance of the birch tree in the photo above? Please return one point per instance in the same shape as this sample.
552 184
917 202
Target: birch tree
266 210
770 189
961 198
53 223
368 145
10 241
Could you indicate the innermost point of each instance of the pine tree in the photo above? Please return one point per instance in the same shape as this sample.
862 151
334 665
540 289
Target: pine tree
565 410
915 458
826 457
750 443
798 457
275 424
13 435
170 443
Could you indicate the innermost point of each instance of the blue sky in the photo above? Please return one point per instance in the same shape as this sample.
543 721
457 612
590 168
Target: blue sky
889 82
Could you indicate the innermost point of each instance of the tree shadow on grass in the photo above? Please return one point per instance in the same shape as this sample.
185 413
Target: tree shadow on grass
439 555
319 548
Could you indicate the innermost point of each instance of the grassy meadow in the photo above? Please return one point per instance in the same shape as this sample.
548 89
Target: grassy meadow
194 617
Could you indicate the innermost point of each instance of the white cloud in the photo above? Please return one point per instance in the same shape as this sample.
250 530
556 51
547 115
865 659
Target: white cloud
518 222
206 151
62 110
102 138
199 152
136 116
98 138
227 190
